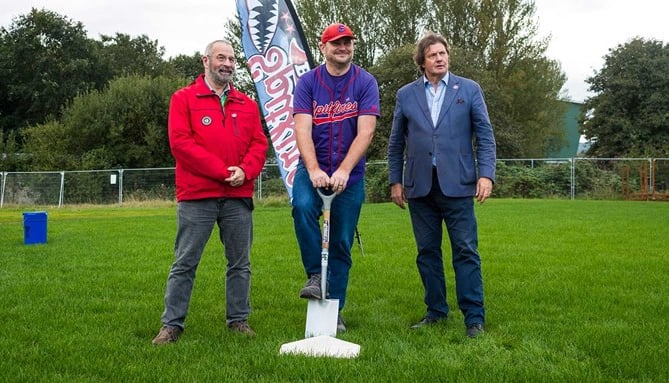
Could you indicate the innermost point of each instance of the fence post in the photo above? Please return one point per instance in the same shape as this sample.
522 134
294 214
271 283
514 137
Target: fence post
572 161
651 182
260 183
2 192
120 186
62 189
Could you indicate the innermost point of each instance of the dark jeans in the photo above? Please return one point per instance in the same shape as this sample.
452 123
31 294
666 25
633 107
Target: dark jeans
195 222
427 214
345 211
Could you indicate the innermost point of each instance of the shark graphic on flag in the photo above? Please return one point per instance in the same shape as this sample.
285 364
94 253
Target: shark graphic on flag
277 56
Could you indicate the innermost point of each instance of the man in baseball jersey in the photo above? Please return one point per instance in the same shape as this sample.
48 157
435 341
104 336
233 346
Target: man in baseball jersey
335 109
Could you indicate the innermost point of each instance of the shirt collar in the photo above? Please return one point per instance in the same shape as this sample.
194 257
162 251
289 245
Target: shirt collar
224 92
444 80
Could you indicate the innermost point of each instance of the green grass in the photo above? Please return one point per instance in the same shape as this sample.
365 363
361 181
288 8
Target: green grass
576 291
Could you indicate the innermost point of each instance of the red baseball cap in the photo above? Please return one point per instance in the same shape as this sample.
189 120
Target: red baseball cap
335 32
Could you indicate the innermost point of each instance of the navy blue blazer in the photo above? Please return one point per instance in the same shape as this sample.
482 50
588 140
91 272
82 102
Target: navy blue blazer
464 116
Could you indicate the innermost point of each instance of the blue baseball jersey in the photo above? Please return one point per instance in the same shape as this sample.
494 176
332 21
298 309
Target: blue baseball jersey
334 103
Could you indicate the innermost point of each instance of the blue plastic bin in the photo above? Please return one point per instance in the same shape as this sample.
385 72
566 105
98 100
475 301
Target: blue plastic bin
34 227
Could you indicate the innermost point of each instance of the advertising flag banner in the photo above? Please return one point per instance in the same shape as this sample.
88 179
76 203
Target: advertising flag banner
277 56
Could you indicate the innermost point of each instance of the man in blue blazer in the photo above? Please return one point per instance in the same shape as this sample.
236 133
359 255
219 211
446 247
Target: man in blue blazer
441 124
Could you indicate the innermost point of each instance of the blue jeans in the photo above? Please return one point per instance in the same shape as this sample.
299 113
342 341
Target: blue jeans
427 214
345 211
195 222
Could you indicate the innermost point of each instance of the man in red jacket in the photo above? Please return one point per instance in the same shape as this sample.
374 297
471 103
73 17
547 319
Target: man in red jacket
219 146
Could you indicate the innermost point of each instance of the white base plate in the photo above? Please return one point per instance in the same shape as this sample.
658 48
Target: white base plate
322 346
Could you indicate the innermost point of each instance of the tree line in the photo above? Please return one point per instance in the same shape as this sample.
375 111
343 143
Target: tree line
70 102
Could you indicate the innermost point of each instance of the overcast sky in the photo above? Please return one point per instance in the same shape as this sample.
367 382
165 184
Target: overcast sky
582 31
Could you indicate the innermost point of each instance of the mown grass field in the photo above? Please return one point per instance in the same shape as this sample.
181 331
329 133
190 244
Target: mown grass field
576 291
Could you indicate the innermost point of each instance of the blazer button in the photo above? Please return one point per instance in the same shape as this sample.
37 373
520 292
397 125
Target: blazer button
429 154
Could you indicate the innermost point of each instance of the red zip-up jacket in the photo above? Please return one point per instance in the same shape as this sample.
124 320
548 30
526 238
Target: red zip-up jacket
206 138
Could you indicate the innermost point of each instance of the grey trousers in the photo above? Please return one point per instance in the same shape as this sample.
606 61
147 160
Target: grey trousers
195 222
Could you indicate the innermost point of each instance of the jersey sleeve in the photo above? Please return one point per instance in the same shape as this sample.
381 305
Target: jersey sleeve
369 103
302 99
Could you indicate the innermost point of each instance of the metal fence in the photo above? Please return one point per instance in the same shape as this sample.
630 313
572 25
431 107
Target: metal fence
584 178
568 178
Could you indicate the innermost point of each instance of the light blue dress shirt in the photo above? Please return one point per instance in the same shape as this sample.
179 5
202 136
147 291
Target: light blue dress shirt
435 99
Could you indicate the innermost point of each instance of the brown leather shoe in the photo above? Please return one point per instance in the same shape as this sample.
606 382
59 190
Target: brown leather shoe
241 326
167 334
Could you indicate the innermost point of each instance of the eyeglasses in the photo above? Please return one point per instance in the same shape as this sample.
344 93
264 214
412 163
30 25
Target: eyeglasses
224 58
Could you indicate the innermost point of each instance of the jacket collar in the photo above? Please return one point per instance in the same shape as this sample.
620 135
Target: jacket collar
449 97
203 90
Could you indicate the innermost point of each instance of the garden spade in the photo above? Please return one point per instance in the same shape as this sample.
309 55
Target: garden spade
321 329
322 313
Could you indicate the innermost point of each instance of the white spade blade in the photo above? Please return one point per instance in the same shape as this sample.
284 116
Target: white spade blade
322 317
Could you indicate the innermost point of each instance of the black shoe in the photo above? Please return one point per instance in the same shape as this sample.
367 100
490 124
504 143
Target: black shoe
474 329
427 321
341 325
312 290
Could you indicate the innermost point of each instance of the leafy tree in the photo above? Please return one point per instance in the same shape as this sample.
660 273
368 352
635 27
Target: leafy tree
186 66
379 25
122 126
392 71
403 21
629 115
46 59
124 55
500 49
10 159
496 44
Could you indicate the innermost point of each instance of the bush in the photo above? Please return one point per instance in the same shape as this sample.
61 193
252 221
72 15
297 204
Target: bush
376 182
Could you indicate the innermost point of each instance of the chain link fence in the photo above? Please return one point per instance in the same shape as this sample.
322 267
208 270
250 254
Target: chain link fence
565 178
